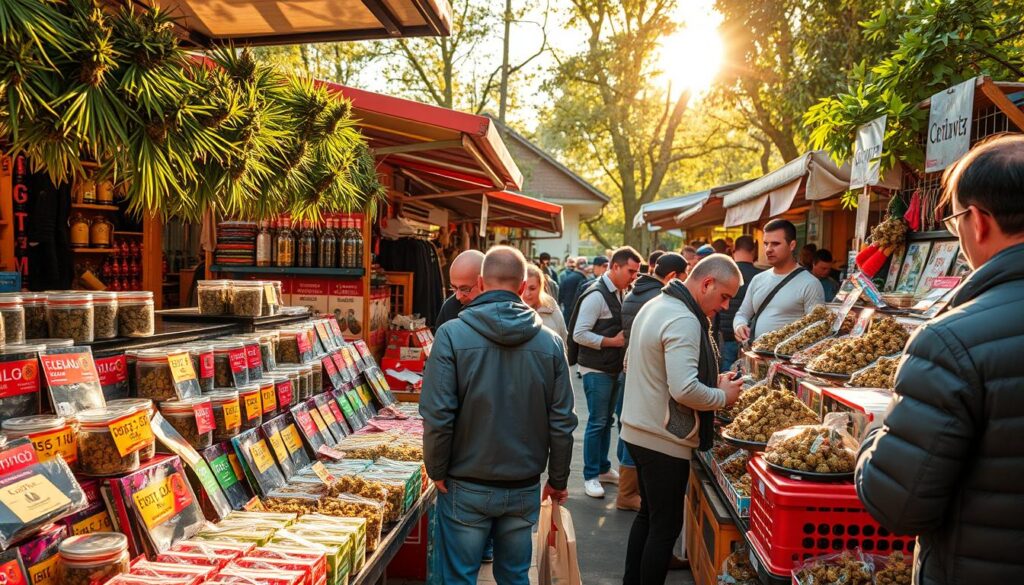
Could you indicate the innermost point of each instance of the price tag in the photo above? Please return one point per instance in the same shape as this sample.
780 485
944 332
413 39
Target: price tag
45 572
278 445
204 417
303 342
181 367
98 522
318 420
261 456
32 498
330 453
254 505
253 408
232 414
50 443
269 397
253 357
324 475
64 369
132 432
222 470
271 294
292 440
870 290
238 361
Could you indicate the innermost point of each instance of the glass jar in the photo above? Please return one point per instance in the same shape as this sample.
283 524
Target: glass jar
214 297
227 414
268 395
203 364
70 315
105 315
268 345
34 305
246 298
105 193
251 405
79 225
51 435
136 404
97 451
13 312
92 558
135 314
182 416
222 371
101 232
153 378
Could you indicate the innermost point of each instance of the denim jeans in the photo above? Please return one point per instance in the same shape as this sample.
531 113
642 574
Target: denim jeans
468 514
730 353
620 450
601 390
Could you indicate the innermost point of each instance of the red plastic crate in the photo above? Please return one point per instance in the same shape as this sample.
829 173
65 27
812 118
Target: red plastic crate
792 520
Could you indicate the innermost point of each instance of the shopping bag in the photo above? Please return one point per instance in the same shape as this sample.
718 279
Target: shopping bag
557 562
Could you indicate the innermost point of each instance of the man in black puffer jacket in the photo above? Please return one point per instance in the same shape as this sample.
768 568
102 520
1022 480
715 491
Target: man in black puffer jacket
948 463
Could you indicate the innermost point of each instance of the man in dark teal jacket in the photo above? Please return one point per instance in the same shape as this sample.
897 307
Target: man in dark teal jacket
947 464
497 409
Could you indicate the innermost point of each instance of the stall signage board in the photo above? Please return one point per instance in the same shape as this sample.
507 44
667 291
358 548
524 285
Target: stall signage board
847 306
949 125
870 290
867 153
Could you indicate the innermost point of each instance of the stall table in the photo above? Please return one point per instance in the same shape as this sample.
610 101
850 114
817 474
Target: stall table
375 570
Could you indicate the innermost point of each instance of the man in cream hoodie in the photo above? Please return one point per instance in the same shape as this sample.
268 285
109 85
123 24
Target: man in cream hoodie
672 390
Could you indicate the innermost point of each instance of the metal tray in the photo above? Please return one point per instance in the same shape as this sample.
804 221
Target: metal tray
741 444
809 475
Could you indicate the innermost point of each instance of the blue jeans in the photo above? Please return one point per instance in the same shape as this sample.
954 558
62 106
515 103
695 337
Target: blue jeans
620 450
468 514
601 390
730 353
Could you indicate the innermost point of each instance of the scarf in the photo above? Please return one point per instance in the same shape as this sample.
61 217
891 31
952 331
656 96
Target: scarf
681 418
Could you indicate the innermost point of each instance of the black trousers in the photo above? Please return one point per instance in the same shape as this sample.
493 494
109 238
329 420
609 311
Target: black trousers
660 520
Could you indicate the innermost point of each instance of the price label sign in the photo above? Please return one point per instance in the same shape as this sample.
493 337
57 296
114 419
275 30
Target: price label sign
48 444
271 294
321 472
204 417
261 456
291 438
162 500
269 396
253 407
132 432
98 522
232 414
181 367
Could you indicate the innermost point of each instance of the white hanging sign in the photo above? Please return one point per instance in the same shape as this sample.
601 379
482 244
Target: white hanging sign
867 153
485 207
949 125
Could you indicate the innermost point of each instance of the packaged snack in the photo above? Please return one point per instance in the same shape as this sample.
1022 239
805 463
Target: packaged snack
272 430
163 503
214 502
268 345
311 562
305 424
95 518
19 380
227 414
825 449
92 558
225 467
254 453
72 379
193 574
39 555
113 373
773 412
249 399
268 395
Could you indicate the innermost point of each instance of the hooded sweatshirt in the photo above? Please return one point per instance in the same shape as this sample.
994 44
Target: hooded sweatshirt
497 400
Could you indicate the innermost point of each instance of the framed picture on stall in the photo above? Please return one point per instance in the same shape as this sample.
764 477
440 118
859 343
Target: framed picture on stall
913 265
939 262
895 263
961 267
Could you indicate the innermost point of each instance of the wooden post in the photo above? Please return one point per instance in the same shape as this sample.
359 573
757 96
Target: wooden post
152 258
7 219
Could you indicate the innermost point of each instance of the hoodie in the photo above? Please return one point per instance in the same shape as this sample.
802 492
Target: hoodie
497 401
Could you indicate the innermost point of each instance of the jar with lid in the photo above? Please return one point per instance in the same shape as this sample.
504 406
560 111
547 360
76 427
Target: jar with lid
230 367
186 416
253 356
86 187
105 193
70 315
13 312
268 395
251 404
285 244
51 435
79 225
227 414
136 404
286 386
153 378
203 364
271 300
268 344
92 558
317 384
105 315
135 314
101 232
287 350
97 451
246 298
20 379
34 305
214 297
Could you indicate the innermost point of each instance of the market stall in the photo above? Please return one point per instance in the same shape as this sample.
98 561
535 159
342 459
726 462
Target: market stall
665 213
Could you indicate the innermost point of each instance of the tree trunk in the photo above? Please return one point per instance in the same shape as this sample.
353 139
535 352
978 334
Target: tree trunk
503 91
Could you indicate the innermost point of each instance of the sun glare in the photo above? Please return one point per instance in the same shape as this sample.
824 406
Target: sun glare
691 58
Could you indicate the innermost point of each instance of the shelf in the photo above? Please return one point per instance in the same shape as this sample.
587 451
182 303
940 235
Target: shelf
94 207
131 234
92 250
290 270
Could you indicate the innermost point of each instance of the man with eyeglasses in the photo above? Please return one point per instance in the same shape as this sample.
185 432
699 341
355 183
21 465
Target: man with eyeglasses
948 462
464 275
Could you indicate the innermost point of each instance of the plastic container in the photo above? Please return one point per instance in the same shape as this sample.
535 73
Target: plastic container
105 311
34 305
70 315
268 394
135 314
317 384
251 405
227 414
224 377
247 298
302 383
97 452
280 377
287 351
268 345
92 558
153 378
13 313
253 356
182 416
203 364
51 435
214 297
21 378
269 308
146 453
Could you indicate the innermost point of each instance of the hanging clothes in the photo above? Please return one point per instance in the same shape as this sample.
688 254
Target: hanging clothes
50 264
419 257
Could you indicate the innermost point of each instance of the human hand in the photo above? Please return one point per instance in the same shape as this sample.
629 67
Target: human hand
732 386
742 333
557 496
617 341
441 487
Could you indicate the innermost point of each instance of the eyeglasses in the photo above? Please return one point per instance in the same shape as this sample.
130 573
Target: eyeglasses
952 222
463 289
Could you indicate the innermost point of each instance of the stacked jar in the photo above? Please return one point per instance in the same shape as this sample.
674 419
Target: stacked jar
105 310
135 314
227 414
185 416
153 379
247 298
70 315
203 364
34 305
92 558
268 345
251 403
51 435
13 312
135 405
287 350
286 381
214 297
98 454
268 394
226 375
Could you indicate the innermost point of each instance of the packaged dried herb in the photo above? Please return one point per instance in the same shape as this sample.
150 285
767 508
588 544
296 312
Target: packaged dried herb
254 452
323 405
135 314
330 439
19 380
379 384
214 297
253 357
331 374
163 503
192 418
214 503
113 372
317 385
268 345
13 314
307 426
288 351
252 406
92 558
40 556
34 495
268 396
246 298
203 364
186 382
272 432
227 414
51 435
153 379
70 315
72 378
285 382
230 365
271 300
224 464
105 315
34 305
109 440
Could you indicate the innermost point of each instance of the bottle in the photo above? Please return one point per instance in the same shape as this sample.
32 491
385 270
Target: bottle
263 245
274 226
285 244
357 242
306 256
346 245
328 246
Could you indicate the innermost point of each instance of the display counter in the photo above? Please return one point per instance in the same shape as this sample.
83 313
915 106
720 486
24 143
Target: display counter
392 542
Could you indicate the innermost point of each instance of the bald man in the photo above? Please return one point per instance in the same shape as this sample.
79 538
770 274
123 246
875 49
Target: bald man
511 373
464 276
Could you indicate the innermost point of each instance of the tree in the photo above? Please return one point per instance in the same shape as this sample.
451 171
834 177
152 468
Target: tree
342 63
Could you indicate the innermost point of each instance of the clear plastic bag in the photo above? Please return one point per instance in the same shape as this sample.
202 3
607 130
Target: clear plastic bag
747 397
850 567
896 569
810 352
824 448
880 374
737 570
806 337
768 341
735 469
37 494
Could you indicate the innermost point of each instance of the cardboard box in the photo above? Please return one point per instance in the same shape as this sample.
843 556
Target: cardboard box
346 304
312 293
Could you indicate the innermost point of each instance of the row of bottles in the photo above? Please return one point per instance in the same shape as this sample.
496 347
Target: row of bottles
338 243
